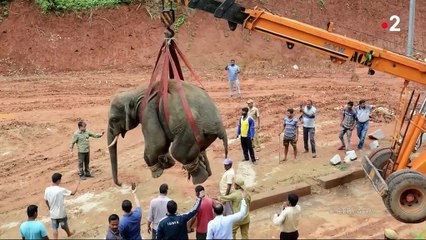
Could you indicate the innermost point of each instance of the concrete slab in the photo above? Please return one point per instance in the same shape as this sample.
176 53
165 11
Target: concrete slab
334 180
335 159
376 135
375 144
278 195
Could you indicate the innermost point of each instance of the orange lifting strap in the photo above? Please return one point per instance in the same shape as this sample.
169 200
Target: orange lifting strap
171 70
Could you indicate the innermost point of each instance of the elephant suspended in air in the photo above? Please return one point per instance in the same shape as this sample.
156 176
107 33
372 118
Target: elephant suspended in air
165 142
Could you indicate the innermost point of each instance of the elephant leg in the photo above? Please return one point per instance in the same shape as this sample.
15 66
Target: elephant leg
167 161
156 146
188 153
205 160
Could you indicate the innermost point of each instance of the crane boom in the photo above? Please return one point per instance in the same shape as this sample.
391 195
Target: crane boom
338 47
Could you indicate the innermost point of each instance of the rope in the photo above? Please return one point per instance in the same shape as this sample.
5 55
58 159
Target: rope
191 167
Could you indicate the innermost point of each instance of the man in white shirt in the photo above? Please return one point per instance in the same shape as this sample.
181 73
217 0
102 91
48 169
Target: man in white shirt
221 226
363 117
233 71
308 117
54 197
225 184
157 210
288 219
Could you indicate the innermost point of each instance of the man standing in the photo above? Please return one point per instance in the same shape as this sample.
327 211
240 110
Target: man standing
288 219
254 113
308 115
130 225
236 197
204 215
363 116
221 226
246 132
225 184
291 133
233 71
174 226
32 229
157 210
81 138
113 232
54 197
348 125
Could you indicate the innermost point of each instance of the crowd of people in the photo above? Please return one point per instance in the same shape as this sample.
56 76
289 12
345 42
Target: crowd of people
249 123
211 217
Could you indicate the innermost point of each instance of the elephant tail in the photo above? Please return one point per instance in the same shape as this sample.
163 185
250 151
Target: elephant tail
224 138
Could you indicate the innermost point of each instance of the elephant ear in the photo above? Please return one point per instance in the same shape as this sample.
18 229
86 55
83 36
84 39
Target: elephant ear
128 111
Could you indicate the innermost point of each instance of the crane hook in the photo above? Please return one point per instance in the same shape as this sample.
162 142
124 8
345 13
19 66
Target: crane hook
167 19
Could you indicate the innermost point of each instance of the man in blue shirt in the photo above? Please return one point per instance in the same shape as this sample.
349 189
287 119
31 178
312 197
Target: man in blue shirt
130 225
113 232
363 117
33 229
174 226
233 71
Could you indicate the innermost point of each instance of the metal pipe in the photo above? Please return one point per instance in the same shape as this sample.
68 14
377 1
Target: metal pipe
422 108
403 119
408 131
410 39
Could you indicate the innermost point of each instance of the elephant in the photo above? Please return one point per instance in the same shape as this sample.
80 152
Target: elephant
167 142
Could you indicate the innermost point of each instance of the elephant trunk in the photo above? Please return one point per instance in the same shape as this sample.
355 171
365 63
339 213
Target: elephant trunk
112 147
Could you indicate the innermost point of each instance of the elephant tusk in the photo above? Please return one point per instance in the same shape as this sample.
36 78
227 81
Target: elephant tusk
113 142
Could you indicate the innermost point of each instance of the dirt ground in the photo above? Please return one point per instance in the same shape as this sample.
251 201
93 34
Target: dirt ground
36 127
56 69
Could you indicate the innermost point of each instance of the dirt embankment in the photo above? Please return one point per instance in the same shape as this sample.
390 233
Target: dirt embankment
127 38
39 112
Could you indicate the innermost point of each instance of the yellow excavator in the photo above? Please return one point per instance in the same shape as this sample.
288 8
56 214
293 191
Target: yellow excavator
397 172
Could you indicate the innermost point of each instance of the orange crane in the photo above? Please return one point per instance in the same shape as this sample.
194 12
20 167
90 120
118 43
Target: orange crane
398 172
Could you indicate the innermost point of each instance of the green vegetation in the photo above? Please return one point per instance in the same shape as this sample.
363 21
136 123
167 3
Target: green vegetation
341 167
181 20
420 235
321 4
78 5
4 10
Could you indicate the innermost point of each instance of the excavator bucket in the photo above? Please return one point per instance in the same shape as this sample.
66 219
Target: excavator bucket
375 177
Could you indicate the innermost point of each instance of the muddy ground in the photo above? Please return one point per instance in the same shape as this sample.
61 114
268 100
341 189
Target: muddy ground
40 112
56 69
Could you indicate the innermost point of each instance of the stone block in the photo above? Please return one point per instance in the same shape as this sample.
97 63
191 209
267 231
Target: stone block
278 195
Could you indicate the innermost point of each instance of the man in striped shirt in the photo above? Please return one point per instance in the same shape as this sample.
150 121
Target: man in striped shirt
348 124
291 132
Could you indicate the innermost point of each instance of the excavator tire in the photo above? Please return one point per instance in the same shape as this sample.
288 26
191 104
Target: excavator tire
380 157
406 198
399 172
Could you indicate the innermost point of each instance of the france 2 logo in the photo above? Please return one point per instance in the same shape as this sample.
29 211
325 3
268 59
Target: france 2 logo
394 27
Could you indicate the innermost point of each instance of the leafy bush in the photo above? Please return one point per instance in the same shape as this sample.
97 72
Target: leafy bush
4 10
76 5
181 20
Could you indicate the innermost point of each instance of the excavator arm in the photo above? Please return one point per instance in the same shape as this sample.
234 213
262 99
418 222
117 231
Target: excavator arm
400 180
339 48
